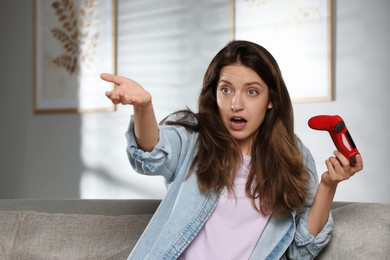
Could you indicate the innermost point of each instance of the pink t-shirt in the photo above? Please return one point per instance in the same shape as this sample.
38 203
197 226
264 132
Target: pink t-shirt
234 227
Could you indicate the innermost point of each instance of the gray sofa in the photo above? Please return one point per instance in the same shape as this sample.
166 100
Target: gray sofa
108 229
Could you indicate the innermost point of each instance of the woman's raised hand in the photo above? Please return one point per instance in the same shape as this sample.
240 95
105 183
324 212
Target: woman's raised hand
127 91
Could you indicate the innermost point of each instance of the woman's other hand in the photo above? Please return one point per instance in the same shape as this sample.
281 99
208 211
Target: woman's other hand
339 169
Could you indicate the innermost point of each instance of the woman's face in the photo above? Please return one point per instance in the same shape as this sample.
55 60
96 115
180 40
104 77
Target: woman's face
243 100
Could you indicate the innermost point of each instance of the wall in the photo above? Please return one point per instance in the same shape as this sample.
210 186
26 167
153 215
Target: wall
166 46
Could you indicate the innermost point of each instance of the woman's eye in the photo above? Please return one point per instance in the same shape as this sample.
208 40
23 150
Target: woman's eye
225 90
252 92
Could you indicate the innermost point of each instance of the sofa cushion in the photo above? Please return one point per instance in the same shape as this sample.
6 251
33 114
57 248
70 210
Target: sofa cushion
362 231
35 235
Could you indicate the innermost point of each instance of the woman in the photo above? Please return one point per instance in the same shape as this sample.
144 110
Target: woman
241 185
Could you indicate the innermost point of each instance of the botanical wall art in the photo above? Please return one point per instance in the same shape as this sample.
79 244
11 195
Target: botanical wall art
75 41
299 35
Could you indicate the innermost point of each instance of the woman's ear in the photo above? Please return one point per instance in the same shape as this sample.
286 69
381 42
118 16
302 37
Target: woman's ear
270 105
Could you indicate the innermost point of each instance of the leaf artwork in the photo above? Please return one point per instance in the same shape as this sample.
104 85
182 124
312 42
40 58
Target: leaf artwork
75 34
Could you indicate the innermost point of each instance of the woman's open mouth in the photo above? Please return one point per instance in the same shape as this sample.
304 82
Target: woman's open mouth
237 123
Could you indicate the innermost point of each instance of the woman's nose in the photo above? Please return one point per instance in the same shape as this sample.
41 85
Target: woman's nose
237 104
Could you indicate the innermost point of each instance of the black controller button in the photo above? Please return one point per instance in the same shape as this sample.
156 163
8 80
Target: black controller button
339 126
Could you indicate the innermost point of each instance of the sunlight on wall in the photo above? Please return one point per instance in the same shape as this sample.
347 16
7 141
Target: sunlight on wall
108 173
166 46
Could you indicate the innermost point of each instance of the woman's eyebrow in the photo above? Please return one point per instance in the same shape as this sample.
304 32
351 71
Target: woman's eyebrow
253 83
224 81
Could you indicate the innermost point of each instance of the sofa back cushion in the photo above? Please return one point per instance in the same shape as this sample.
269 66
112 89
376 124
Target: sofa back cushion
362 231
35 235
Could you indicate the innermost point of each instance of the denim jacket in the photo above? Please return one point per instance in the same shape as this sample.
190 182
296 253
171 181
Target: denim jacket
184 210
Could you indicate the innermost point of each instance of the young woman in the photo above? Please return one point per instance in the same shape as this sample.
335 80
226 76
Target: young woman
241 185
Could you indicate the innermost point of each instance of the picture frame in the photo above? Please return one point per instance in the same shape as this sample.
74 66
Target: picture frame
74 42
298 33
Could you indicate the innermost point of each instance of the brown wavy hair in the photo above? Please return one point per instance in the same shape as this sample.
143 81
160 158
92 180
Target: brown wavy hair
278 177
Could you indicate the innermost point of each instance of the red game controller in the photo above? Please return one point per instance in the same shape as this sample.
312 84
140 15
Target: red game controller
338 131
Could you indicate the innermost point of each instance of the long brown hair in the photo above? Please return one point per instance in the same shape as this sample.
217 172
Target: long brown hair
278 176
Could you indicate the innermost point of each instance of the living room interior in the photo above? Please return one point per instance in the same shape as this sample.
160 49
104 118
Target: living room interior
166 45
71 168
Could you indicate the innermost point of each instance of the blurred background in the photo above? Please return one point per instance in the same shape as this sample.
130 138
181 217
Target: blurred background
166 45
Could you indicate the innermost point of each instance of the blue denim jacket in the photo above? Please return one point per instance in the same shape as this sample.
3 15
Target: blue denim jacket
184 210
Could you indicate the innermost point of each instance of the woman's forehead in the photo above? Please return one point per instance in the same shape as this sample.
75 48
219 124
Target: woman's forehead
239 72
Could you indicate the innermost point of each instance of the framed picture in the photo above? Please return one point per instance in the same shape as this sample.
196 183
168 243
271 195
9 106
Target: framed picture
75 41
298 33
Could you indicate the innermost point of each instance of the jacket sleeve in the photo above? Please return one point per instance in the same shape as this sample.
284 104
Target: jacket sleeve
164 157
305 245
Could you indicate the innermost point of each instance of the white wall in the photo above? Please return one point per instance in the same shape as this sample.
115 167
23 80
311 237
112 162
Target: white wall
362 91
166 46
